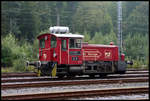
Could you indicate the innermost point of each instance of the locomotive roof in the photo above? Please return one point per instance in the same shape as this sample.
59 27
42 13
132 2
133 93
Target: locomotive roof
64 35
69 35
99 45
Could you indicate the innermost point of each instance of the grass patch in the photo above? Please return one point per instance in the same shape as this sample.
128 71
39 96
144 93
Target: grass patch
13 69
7 69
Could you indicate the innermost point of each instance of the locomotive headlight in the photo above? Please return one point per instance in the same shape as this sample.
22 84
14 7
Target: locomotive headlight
54 54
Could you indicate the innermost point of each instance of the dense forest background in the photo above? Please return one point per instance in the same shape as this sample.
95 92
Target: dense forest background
22 22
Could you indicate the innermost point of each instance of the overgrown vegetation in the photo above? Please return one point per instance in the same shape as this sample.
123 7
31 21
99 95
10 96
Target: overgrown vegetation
13 54
23 21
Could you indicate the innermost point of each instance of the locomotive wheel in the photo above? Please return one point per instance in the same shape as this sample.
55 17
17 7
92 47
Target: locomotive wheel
103 75
61 76
91 75
45 72
122 72
71 75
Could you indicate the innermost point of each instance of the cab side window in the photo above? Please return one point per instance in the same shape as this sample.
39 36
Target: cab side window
71 43
75 43
53 42
64 44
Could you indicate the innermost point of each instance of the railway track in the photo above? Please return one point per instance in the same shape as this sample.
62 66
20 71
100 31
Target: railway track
72 82
78 93
32 74
136 72
31 79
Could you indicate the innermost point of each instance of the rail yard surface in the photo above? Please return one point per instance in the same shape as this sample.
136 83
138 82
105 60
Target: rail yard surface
134 85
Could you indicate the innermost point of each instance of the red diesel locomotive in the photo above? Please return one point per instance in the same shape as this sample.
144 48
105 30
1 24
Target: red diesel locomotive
64 54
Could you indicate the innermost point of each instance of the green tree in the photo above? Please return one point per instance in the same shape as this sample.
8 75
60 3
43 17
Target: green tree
44 13
92 18
99 38
10 12
68 14
136 46
20 19
86 37
137 21
29 24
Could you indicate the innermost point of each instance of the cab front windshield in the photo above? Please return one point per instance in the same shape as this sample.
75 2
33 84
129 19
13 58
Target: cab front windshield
53 42
42 43
75 43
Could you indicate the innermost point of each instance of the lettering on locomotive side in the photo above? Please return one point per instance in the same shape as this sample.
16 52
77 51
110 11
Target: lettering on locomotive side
75 53
108 54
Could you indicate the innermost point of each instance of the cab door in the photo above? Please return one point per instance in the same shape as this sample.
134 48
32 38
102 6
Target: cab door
75 51
64 51
44 48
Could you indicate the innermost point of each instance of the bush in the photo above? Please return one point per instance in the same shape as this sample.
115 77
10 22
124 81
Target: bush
14 55
24 53
6 57
8 46
138 63
19 65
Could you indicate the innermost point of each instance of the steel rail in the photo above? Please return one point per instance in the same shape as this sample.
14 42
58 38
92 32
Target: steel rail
78 93
142 99
29 74
65 83
73 78
136 72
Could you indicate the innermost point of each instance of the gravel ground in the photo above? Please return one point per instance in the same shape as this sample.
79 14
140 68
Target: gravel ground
67 88
119 97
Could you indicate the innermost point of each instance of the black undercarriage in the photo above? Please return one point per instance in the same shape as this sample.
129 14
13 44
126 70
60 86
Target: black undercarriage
90 68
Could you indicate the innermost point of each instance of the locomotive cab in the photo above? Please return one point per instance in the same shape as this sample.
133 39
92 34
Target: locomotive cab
68 54
59 51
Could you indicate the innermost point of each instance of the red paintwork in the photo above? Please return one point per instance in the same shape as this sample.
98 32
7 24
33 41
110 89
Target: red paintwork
94 52
63 53
89 52
79 57
122 57
62 56
45 56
